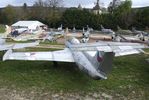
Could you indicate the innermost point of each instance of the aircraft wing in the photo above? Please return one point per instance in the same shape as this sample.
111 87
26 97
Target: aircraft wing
23 45
60 56
106 46
120 49
17 45
5 47
127 52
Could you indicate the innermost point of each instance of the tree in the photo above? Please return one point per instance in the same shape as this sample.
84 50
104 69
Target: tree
24 6
53 14
122 14
24 12
9 14
79 18
45 11
38 12
39 3
54 3
141 17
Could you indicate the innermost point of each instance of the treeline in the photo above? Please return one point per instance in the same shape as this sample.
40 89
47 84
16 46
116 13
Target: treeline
53 15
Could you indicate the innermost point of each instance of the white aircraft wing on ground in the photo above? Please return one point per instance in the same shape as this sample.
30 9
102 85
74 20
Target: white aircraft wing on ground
23 45
17 45
120 49
107 46
60 56
2 41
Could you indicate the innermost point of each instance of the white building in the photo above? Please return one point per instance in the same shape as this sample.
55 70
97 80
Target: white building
98 9
30 25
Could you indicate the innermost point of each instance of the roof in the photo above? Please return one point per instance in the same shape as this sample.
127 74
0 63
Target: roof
28 24
97 7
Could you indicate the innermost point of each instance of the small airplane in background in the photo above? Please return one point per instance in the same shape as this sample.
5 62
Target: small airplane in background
139 32
89 28
25 37
128 38
60 28
95 59
85 36
54 33
123 32
107 31
74 30
19 31
39 35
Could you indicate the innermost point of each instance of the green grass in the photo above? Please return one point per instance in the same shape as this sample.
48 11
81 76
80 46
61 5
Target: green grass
130 73
33 49
42 43
146 50
48 42
2 28
12 41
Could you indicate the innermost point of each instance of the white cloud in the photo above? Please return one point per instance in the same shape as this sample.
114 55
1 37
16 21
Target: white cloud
74 3
4 3
140 3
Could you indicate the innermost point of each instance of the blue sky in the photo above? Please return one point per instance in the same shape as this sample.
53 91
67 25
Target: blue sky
75 3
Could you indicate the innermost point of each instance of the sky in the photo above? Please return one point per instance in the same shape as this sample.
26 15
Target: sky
74 3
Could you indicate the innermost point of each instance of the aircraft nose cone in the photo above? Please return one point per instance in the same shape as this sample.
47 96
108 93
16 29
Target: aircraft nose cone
97 78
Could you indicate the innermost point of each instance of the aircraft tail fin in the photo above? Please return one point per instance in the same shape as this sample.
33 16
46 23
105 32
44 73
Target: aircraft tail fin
133 29
119 28
65 34
101 27
8 29
83 30
103 61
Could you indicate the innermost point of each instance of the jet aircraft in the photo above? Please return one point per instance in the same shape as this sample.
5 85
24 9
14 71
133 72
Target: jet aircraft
124 32
85 36
60 28
107 31
95 59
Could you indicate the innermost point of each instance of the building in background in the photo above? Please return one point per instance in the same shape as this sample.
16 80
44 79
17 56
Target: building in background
29 25
97 8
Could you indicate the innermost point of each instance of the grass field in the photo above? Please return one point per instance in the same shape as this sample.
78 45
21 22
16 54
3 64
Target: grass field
129 77
2 29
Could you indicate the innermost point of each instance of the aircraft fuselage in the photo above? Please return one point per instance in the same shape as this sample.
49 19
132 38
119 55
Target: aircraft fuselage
83 62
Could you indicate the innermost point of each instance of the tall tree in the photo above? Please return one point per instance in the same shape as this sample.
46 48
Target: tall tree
24 12
38 11
9 14
80 18
24 6
54 3
122 14
54 14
